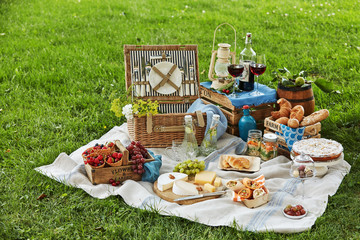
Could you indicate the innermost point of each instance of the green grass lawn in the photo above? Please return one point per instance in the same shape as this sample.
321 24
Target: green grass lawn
61 60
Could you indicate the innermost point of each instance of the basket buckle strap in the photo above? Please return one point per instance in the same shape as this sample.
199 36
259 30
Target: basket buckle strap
200 118
165 78
160 128
149 123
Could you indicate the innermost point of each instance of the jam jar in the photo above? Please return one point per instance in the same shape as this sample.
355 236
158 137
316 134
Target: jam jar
269 147
254 142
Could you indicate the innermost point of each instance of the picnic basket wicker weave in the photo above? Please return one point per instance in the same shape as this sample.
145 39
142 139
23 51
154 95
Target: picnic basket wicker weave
161 129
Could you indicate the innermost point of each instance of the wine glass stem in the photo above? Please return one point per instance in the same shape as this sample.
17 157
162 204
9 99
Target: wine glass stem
303 189
257 83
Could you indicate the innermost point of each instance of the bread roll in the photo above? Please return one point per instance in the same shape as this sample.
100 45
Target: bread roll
293 123
297 112
283 120
315 117
238 162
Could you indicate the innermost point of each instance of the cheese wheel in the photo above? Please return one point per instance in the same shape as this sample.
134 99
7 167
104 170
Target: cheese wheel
166 180
184 188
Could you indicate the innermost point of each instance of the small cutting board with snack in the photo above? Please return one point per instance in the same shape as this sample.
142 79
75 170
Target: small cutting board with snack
241 163
182 189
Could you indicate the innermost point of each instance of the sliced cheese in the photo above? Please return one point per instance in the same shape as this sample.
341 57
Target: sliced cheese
205 177
166 180
184 188
210 188
217 182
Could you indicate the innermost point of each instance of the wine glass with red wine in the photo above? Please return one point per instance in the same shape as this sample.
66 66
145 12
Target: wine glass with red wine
258 68
235 70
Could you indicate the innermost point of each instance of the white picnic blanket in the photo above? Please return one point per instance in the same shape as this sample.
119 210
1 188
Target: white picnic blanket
217 212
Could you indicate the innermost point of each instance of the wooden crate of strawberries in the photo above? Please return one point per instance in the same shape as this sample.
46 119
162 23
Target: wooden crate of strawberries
113 163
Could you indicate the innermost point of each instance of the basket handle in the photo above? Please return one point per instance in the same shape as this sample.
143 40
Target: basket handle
215 35
181 128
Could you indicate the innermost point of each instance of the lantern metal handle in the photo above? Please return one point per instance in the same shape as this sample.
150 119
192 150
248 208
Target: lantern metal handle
215 35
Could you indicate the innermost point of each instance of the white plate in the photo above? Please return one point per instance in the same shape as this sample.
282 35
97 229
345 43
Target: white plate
155 78
294 217
254 163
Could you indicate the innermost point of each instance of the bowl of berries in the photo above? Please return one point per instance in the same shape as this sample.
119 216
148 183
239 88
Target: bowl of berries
96 156
294 211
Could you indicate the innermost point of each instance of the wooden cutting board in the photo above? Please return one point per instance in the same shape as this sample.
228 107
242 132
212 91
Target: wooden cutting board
169 196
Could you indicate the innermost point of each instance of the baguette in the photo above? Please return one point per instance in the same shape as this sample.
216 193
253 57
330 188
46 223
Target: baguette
315 117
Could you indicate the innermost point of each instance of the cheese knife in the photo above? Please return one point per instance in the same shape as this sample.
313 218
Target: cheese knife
200 196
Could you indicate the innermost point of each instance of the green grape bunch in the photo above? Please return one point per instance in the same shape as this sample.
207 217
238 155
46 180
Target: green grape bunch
190 167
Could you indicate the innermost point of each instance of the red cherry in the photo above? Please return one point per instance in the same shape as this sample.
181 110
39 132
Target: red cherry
115 155
114 184
299 207
118 182
111 180
302 211
227 91
119 155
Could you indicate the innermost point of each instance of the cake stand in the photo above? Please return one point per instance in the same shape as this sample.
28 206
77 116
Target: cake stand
322 166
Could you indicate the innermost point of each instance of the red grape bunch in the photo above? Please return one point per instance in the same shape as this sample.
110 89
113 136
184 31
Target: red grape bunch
137 154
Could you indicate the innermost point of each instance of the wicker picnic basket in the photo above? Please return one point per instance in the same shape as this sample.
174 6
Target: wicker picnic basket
161 129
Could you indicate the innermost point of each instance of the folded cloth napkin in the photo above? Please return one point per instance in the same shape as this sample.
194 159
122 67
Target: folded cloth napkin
210 110
291 135
152 169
